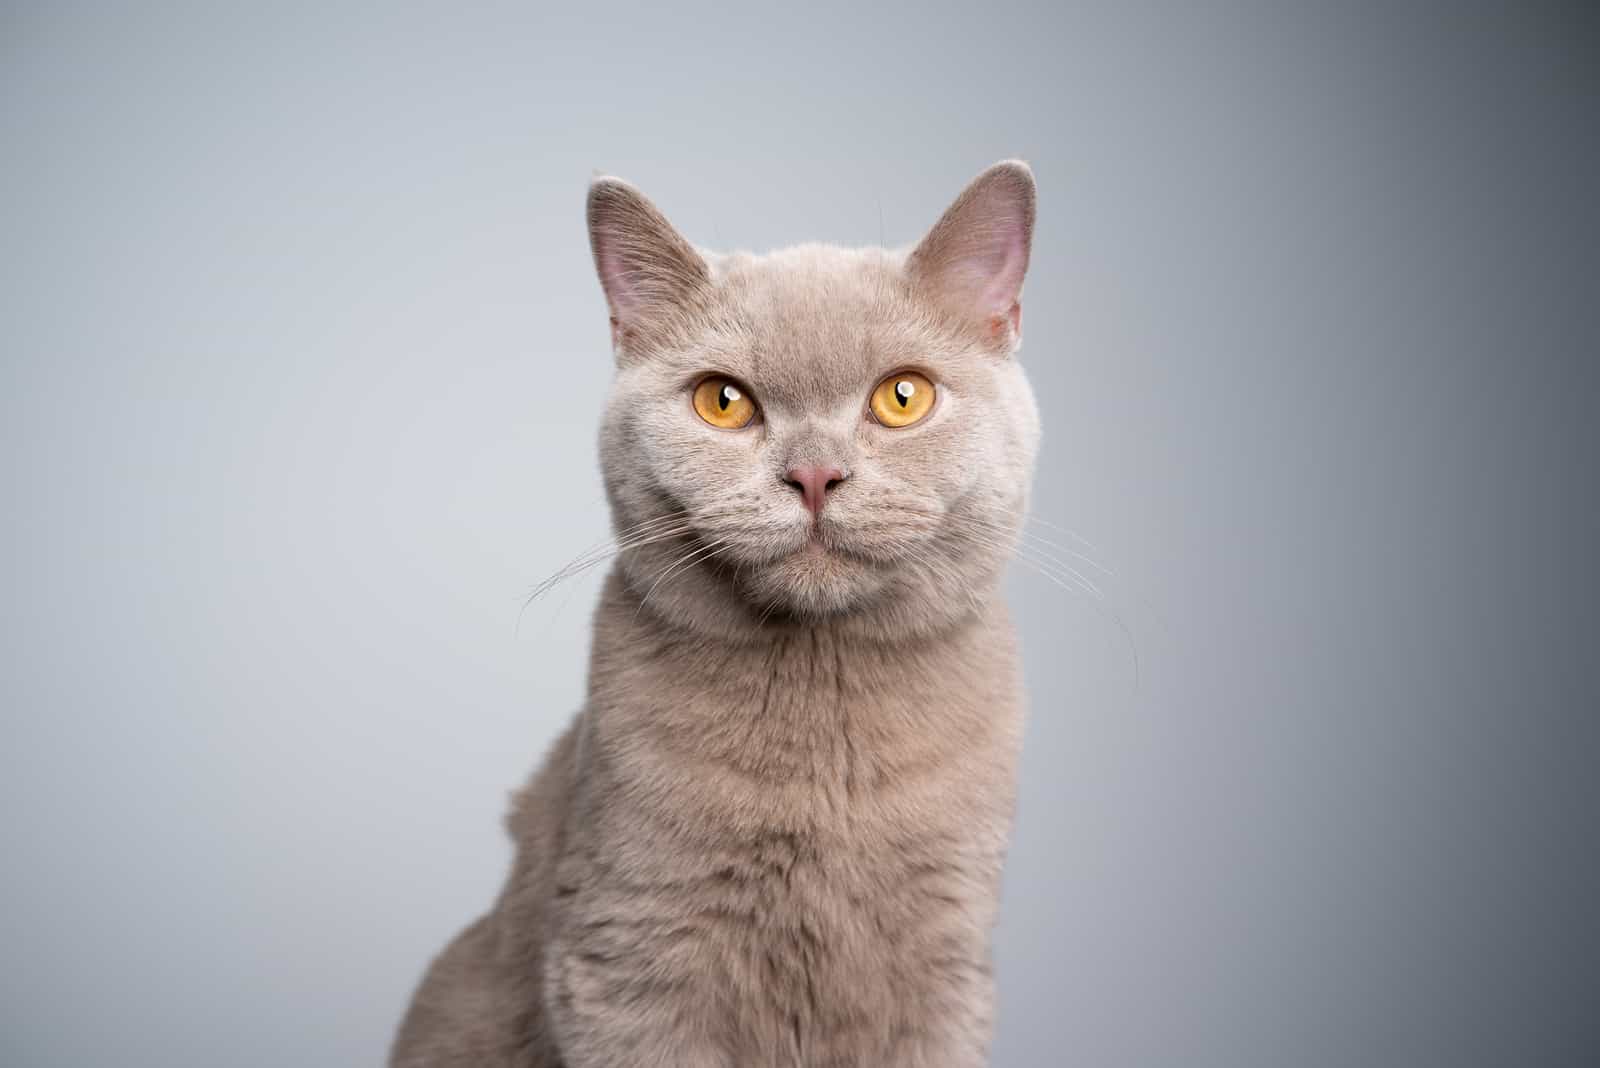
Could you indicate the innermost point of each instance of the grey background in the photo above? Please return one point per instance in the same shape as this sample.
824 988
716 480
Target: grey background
302 363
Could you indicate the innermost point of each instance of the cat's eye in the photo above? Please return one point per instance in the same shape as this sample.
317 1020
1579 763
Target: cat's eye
723 403
902 399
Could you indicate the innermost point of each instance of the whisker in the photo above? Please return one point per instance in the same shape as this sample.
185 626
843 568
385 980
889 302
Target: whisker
1106 571
601 553
1021 531
656 529
604 552
1068 531
683 562
1022 552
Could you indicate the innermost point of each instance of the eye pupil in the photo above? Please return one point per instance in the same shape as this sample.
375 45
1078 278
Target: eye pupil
726 396
903 391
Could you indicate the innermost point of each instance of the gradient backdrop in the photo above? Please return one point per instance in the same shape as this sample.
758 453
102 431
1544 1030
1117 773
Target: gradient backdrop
302 362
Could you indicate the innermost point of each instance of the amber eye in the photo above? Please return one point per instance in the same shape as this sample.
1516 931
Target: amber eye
723 403
902 399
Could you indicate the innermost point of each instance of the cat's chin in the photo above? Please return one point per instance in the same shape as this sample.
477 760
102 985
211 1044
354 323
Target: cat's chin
816 580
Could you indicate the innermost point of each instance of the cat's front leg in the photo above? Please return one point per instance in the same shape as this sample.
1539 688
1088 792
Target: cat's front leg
955 1024
621 1010
959 1044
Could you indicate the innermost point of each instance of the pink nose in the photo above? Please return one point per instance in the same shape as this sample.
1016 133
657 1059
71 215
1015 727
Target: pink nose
814 481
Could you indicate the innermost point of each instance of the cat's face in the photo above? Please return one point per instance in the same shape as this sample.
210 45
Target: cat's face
818 432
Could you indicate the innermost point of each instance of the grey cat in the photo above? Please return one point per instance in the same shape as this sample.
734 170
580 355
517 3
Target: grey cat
775 831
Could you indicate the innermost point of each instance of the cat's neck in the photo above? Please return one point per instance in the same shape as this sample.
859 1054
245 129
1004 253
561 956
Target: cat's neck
792 703
712 621
703 601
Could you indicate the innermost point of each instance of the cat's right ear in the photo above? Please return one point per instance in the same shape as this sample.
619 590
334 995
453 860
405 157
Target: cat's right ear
647 269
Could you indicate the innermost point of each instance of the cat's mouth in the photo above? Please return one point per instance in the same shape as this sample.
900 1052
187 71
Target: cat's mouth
842 540
819 548
816 565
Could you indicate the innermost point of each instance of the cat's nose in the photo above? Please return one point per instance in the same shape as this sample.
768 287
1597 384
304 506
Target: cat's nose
814 481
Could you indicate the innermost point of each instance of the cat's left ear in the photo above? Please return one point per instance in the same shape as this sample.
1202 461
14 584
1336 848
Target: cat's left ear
972 262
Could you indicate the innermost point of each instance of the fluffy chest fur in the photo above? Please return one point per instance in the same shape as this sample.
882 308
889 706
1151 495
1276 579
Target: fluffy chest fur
786 852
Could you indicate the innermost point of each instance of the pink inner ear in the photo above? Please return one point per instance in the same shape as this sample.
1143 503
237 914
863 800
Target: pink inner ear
987 278
614 280
998 324
1003 281
977 255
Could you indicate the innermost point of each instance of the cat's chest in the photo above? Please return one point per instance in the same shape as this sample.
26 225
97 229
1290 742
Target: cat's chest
839 939
791 947
806 852
812 781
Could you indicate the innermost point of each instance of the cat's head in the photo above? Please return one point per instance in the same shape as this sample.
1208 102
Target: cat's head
818 432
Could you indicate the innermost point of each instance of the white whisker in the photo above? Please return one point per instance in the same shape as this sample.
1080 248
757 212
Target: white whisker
685 561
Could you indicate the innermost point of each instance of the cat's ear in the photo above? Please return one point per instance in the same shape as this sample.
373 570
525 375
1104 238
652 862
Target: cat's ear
973 260
647 269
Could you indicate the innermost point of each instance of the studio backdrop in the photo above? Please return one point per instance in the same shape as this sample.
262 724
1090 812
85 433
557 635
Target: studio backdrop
302 364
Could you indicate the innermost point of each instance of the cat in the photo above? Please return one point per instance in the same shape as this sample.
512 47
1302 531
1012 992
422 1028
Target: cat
774 833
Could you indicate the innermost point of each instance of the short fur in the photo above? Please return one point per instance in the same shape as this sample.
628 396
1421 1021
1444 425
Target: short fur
774 834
